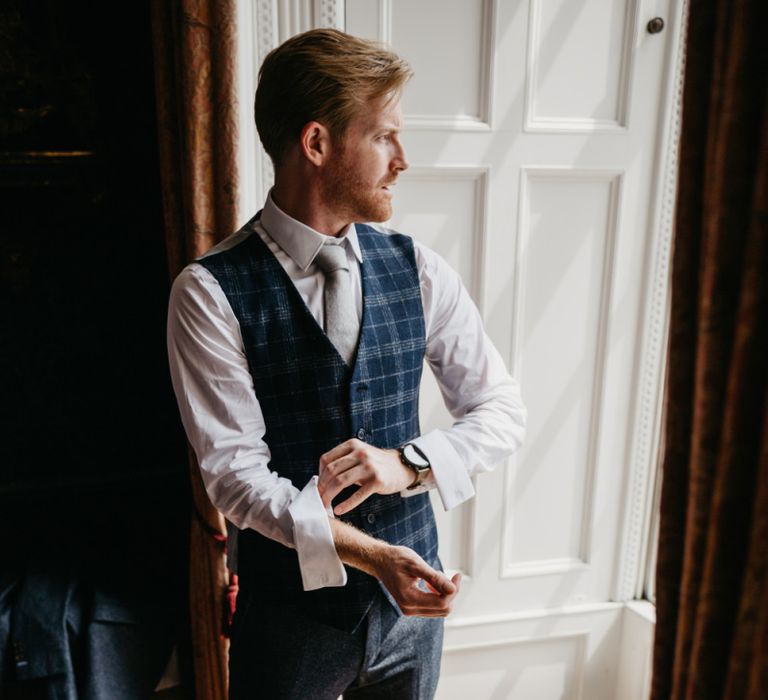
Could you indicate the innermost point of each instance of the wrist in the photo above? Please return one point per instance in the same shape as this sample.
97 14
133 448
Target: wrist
382 560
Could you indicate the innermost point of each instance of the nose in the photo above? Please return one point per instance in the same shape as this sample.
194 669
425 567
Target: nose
399 162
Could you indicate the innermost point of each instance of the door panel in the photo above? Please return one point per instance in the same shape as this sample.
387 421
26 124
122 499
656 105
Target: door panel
532 129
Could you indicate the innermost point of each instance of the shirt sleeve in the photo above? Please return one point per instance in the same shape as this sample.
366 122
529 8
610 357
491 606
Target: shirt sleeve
225 426
478 391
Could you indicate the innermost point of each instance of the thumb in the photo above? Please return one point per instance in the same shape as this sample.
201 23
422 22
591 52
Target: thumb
438 581
455 580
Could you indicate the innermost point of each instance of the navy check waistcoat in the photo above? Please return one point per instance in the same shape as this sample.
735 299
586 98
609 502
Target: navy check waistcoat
312 401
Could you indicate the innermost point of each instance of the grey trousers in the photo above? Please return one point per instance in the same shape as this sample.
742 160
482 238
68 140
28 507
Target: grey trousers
278 653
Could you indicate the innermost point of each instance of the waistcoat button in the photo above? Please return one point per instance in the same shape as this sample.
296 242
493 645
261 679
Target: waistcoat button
361 434
371 518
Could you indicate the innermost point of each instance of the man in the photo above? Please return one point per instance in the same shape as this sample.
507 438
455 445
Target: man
296 350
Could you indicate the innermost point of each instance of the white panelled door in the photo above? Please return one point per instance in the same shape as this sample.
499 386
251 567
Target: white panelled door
537 133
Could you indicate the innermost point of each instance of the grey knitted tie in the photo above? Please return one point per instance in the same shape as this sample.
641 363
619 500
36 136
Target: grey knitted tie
341 324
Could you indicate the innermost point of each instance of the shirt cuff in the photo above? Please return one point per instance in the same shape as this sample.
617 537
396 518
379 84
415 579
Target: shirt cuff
319 562
448 470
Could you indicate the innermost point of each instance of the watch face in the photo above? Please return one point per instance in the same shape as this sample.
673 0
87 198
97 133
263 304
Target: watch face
414 457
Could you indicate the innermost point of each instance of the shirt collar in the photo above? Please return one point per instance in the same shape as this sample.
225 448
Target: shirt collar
298 240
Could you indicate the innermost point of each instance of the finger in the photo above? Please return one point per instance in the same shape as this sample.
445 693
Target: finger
424 613
333 469
417 568
435 579
355 499
432 591
333 486
340 450
426 604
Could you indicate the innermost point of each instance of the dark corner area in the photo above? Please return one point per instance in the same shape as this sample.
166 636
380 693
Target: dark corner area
94 502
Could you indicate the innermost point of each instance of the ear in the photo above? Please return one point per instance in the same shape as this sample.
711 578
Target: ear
315 143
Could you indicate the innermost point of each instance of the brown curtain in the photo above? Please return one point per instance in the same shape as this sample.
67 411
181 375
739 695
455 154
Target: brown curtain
195 54
712 578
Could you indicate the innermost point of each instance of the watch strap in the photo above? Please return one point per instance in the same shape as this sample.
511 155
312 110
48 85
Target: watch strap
419 470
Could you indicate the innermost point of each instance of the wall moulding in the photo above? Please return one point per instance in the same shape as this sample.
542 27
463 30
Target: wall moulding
507 657
643 454
536 122
478 175
530 176
487 42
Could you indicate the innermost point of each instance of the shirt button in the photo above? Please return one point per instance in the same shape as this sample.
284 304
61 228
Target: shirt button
361 434
371 518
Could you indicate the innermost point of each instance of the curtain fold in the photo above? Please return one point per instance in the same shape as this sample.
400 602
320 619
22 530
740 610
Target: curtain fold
711 577
195 82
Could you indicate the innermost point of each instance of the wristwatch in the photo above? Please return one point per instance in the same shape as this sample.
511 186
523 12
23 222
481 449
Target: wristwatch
413 458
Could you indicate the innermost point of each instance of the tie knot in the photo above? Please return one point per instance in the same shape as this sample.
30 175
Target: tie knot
332 257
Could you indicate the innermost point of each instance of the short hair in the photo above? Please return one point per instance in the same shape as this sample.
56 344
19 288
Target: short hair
322 75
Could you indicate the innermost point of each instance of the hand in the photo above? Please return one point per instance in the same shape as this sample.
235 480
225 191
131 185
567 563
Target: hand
355 462
402 569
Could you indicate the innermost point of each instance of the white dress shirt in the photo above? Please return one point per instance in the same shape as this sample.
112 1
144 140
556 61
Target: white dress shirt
225 424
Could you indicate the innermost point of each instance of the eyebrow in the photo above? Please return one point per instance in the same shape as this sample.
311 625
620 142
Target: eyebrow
388 128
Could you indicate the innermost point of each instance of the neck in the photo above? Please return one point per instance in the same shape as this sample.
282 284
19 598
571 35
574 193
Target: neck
304 203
